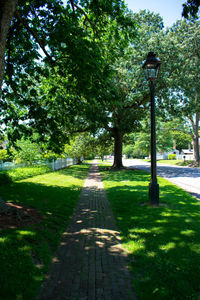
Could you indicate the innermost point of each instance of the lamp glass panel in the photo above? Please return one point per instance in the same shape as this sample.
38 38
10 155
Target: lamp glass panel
151 73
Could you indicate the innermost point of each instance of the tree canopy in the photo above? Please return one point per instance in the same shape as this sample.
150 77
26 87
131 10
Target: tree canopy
89 77
191 8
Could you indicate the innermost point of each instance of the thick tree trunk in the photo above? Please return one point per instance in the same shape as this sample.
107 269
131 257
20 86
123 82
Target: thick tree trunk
196 138
79 160
7 9
118 137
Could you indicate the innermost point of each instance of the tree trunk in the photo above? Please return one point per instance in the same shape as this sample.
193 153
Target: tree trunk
7 9
196 138
79 160
118 137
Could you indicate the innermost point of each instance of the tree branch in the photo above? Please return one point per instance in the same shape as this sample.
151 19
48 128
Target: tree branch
9 65
108 128
35 36
72 4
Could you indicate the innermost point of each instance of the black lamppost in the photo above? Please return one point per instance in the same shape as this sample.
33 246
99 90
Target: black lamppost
151 67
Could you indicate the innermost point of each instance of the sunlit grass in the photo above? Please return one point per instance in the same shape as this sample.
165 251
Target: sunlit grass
175 162
22 173
26 252
163 242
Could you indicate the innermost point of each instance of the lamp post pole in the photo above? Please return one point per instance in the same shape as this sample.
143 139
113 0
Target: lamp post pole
153 186
151 67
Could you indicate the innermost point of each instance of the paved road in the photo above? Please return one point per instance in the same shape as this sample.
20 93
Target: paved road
185 177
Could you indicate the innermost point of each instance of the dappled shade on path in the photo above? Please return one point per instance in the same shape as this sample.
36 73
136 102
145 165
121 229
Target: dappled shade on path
89 263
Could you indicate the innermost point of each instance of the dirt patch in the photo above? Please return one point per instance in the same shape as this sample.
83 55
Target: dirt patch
19 215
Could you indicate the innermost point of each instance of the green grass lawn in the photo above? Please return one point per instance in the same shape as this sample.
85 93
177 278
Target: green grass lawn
175 162
172 162
163 242
25 253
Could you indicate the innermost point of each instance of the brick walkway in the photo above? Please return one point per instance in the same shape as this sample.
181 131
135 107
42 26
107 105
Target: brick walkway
90 263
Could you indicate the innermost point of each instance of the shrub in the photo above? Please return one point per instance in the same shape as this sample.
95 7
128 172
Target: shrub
22 173
172 156
4 178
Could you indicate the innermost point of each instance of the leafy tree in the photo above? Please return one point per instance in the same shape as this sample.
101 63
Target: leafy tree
180 132
103 144
50 155
27 151
81 147
164 140
180 75
130 89
128 150
3 154
190 8
78 40
74 36
47 24
7 11
182 140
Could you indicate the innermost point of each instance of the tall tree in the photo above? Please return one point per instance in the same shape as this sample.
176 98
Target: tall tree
191 8
180 75
7 9
29 25
82 46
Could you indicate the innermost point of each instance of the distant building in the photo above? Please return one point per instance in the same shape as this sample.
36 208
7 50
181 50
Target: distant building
188 153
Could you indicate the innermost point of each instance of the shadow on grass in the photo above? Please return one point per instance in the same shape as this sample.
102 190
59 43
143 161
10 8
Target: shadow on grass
26 252
164 242
77 171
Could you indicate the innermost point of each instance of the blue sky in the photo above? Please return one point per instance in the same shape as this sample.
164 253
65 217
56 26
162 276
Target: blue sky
170 10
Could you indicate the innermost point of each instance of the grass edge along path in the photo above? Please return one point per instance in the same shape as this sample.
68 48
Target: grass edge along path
163 242
26 252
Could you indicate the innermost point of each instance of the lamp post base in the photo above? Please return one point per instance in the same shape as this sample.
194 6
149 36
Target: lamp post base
154 193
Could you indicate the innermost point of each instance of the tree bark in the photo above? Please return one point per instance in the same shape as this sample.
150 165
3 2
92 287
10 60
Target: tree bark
7 9
79 160
118 138
196 138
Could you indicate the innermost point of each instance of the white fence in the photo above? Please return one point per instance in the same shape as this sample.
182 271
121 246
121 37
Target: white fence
62 163
54 165
178 156
162 156
185 156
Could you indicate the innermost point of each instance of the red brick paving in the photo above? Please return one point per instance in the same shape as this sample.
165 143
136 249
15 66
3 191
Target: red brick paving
90 263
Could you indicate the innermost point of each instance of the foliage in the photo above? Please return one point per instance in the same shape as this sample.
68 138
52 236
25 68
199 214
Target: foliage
80 147
179 75
172 156
140 144
128 151
78 39
22 173
26 252
28 151
113 94
191 8
50 155
103 144
182 139
163 242
3 154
